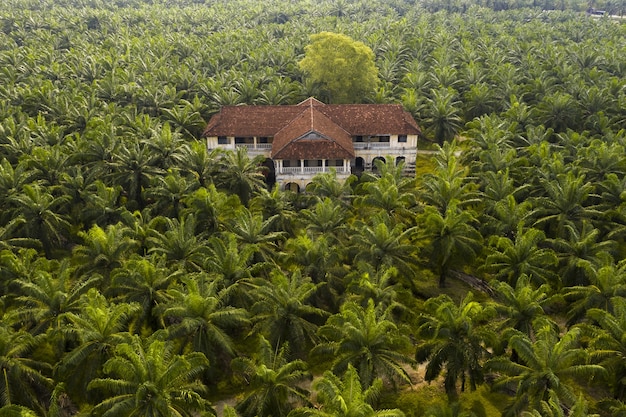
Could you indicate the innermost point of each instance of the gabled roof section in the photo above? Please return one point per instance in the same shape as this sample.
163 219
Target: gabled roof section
248 121
314 132
372 119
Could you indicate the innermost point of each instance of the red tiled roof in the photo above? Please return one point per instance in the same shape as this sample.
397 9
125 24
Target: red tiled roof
334 124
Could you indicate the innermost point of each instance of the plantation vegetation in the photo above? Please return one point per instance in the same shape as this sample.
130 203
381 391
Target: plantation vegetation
144 275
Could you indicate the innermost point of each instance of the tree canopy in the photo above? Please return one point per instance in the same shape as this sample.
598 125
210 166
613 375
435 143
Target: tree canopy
344 68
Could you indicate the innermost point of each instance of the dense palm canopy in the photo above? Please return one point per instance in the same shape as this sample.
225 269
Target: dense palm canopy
117 223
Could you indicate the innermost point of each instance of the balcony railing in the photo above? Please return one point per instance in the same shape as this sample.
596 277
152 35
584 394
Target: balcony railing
255 147
312 170
371 145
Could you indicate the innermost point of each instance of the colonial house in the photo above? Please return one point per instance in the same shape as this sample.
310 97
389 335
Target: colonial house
303 140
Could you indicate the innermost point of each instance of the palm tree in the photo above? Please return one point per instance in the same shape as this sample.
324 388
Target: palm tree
212 208
45 297
326 218
443 115
23 379
523 257
44 216
165 194
241 175
148 379
180 244
565 203
345 397
523 307
581 252
97 328
547 364
608 343
384 246
273 382
198 318
103 249
452 240
250 229
454 337
133 167
282 311
606 287
367 339
144 281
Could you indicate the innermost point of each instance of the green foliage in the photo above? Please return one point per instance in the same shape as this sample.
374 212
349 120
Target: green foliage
343 67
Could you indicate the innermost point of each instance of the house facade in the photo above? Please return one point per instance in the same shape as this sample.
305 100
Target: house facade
302 140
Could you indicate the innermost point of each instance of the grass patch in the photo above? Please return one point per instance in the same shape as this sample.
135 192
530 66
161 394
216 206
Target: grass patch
422 401
424 164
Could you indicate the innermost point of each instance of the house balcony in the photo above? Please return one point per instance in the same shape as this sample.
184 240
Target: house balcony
255 147
311 170
371 145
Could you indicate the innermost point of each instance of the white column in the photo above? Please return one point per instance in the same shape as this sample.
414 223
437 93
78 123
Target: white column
323 165
302 166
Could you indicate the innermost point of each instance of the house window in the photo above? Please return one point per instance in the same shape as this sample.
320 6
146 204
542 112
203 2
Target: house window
313 163
401 138
359 139
288 164
335 163
222 140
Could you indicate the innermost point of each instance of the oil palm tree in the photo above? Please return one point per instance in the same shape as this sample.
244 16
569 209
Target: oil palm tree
549 363
608 343
273 382
368 339
180 244
97 328
24 380
344 397
44 215
198 318
283 313
510 260
241 175
454 338
146 378
452 239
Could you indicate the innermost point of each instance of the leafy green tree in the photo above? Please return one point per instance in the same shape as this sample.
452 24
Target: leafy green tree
342 66
606 287
144 281
368 339
103 249
273 382
443 116
44 298
345 397
454 338
148 379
